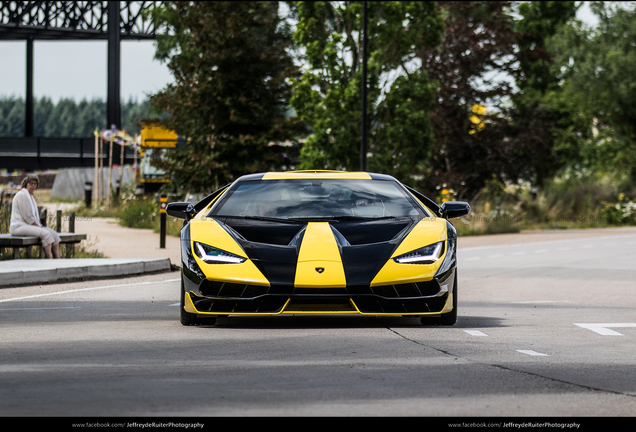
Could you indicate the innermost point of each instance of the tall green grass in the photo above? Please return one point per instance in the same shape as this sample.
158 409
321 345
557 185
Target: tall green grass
591 201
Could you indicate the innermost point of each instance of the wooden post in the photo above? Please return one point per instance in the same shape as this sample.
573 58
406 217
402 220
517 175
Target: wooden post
95 184
44 221
162 221
100 192
135 157
58 221
70 247
110 169
121 171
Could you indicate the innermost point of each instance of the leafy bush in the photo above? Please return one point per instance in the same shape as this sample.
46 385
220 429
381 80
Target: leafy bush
572 202
139 213
621 213
480 222
5 217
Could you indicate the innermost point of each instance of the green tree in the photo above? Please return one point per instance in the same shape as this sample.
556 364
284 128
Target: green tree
43 111
541 118
12 117
540 21
69 118
400 94
478 49
91 115
230 98
598 83
133 112
62 122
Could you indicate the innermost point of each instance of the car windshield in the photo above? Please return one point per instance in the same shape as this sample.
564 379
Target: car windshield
329 198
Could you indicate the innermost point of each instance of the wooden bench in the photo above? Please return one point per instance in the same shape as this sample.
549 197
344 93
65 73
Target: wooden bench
15 242
69 239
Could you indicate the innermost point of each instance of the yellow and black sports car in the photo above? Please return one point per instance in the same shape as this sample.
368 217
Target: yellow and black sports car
318 242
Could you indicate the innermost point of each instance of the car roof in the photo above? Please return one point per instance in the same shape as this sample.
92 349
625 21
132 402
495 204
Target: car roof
317 174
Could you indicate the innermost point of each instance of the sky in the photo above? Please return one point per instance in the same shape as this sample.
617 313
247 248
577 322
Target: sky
77 69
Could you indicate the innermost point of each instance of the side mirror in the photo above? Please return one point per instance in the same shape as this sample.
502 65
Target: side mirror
454 209
181 210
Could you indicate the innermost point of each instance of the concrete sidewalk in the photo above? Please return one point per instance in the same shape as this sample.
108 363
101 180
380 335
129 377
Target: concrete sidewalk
129 252
115 241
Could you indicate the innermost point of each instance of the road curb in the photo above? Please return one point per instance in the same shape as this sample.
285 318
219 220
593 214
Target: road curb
28 272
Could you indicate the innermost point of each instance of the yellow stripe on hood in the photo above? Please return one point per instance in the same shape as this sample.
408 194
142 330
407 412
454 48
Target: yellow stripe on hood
319 260
319 175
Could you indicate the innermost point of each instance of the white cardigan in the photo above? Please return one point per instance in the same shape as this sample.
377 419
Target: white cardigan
24 210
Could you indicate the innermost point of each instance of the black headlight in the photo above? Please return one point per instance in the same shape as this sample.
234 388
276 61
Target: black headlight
212 255
451 252
424 255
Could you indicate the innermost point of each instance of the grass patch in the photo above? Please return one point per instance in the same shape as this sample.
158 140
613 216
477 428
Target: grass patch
486 223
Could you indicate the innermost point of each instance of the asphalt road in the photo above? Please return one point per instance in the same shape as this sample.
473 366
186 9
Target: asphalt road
545 329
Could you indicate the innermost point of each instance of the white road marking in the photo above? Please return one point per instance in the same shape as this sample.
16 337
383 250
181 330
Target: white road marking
532 353
61 307
475 333
87 289
542 301
604 328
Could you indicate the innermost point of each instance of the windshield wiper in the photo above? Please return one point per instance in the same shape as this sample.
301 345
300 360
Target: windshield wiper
260 218
347 218
342 218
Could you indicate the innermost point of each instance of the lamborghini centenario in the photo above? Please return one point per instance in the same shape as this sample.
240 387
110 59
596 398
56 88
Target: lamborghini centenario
318 242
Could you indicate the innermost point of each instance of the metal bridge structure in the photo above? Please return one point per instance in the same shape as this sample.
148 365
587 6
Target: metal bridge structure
112 21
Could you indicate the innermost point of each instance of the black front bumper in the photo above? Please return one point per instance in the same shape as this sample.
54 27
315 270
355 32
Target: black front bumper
428 297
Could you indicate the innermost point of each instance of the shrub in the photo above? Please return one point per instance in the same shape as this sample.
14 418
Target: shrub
139 213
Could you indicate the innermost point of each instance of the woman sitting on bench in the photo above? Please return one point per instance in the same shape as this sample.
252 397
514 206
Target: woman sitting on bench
25 218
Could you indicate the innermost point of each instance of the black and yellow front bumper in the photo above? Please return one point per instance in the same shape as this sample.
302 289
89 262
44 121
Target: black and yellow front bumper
418 299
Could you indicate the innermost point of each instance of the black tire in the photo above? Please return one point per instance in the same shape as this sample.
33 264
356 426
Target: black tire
447 319
190 319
